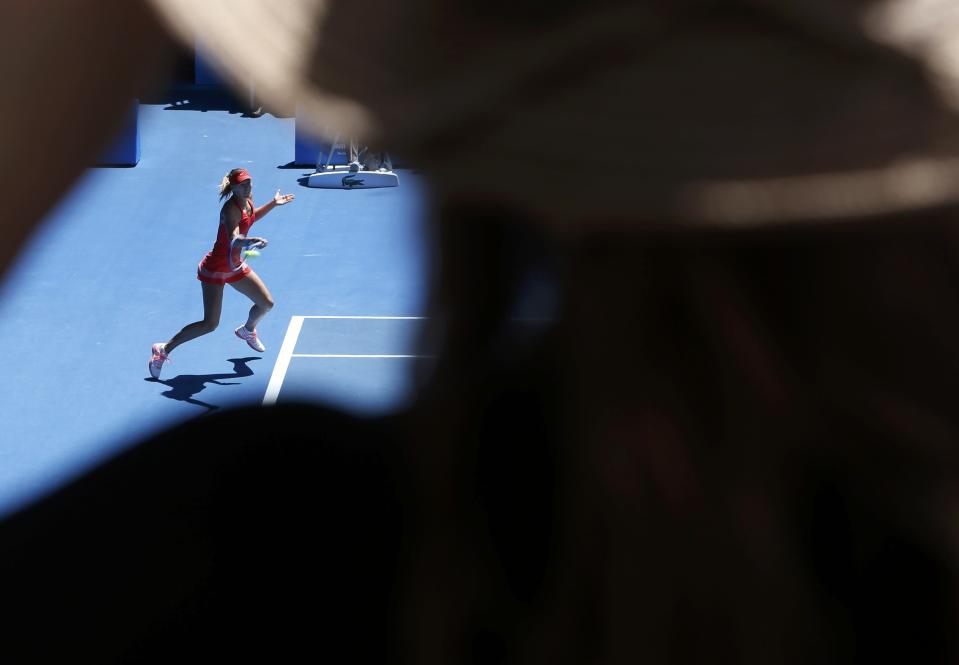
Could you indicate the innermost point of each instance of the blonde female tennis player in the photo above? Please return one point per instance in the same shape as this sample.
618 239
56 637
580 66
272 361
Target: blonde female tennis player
225 264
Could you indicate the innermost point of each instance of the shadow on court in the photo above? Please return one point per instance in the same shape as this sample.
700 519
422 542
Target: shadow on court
184 386
295 166
200 98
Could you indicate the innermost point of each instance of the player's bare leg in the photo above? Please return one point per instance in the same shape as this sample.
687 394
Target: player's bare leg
212 306
253 288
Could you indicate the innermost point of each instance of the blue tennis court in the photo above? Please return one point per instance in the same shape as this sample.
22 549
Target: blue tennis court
112 270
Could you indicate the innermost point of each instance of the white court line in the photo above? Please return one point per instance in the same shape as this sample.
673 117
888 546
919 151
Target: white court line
283 360
286 354
375 318
293 332
344 355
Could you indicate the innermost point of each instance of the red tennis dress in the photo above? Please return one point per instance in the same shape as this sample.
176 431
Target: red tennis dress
224 263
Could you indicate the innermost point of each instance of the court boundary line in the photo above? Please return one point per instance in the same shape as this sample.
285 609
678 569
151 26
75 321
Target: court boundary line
375 318
355 355
294 329
283 360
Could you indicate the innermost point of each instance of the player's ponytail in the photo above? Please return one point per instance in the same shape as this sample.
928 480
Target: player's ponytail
225 187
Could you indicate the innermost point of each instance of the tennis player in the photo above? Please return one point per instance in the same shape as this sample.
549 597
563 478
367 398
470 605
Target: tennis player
225 264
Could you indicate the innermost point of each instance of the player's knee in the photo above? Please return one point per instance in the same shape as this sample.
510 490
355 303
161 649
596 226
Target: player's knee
209 325
268 303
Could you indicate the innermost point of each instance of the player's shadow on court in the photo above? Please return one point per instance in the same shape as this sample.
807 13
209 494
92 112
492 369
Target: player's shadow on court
184 386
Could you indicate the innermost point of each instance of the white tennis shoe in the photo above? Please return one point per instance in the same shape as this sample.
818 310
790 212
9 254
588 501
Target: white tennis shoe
251 338
157 359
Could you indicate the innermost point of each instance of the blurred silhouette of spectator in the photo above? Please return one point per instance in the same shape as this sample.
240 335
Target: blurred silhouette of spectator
737 440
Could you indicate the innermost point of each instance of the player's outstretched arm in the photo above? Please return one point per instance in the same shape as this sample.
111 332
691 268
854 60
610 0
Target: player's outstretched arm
278 200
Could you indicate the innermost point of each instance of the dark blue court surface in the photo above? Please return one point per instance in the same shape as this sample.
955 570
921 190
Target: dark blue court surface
112 270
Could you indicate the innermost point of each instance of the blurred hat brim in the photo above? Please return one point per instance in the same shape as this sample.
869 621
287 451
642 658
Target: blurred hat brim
620 114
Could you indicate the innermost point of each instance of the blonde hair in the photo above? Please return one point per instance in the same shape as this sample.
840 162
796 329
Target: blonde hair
225 187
